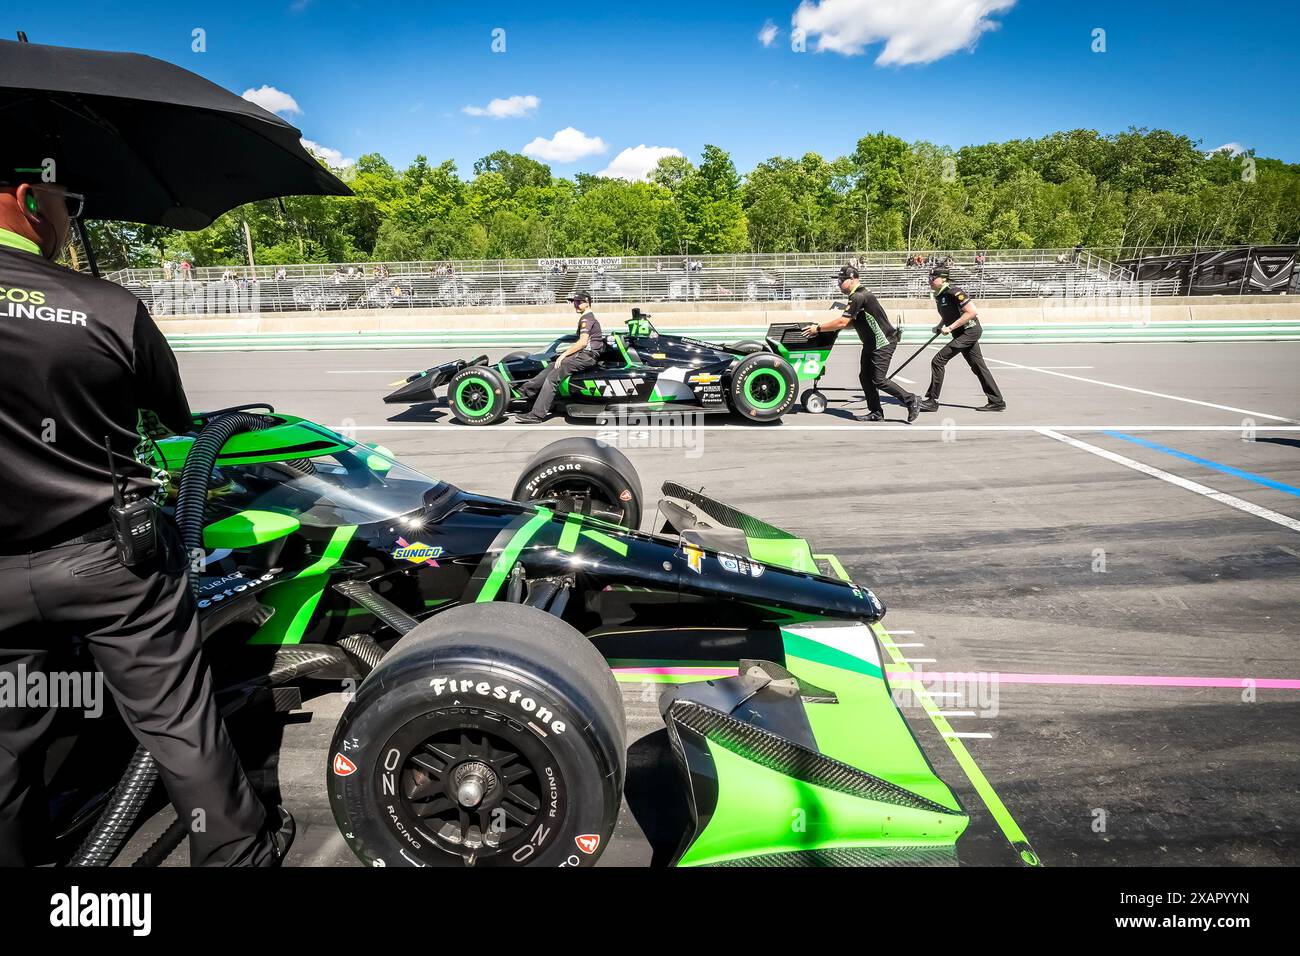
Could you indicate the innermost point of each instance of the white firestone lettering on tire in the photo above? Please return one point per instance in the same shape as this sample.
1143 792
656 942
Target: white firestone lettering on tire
540 711
533 482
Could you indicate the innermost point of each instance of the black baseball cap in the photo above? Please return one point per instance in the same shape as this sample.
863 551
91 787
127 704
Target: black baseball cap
848 272
581 297
939 273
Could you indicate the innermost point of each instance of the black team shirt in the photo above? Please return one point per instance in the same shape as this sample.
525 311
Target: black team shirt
869 319
82 359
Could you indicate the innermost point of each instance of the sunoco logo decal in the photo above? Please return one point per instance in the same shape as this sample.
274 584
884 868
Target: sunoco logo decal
417 553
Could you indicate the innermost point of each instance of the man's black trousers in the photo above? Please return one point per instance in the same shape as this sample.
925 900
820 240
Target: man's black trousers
547 382
873 376
140 626
966 343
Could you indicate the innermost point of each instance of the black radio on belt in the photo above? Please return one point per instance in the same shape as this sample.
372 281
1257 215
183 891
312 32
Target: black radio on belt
134 521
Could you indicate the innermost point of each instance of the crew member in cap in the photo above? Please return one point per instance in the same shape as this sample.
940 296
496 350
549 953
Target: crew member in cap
879 339
958 318
578 357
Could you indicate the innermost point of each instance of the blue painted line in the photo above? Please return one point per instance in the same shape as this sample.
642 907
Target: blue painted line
1206 463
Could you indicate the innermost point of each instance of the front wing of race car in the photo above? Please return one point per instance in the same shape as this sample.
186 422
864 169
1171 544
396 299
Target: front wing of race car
808 762
805 761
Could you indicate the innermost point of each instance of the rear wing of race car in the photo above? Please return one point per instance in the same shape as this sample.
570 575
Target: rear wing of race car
420 386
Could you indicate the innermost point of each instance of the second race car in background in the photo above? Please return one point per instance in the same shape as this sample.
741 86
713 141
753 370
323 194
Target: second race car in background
642 370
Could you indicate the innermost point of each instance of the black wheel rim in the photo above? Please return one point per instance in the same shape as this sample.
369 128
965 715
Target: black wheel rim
474 397
472 785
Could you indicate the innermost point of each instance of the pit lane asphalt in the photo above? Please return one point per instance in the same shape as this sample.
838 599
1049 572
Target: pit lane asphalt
1102 595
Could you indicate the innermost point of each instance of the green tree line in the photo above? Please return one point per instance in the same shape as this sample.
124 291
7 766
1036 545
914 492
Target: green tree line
1139 188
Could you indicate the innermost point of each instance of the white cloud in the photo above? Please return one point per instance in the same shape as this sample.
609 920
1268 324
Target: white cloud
511 107
269 98
767 36
565 146
911 32
333 158
636 162
1234 149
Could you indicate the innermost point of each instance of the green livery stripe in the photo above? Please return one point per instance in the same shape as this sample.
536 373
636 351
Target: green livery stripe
573 526
997 809
295 600
510 554
615 545
799 646
569 535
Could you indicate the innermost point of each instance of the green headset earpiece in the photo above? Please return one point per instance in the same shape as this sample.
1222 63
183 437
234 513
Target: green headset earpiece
31 202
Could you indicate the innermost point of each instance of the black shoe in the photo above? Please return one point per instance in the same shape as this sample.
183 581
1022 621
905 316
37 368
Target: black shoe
874 417
991 407
913 409
282 838
928 405
529 419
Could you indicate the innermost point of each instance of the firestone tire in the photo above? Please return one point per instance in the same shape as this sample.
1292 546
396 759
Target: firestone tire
583 466
763 387
501 704
748 348
478 395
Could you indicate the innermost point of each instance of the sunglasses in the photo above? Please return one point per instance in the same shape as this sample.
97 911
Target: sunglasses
74 203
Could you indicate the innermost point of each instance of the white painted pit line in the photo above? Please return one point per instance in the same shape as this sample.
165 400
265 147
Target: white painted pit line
1143 391
1195 487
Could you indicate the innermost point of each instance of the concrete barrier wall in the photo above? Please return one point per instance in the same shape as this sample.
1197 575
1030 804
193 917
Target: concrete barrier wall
758 315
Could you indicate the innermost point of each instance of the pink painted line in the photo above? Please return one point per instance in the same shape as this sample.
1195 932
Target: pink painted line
680 671
1111 680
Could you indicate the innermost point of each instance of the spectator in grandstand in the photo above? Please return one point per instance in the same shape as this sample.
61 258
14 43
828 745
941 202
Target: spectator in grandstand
1078 251
337 275
167 267
979 259
185 269
958 318
879 339
281 274
578 357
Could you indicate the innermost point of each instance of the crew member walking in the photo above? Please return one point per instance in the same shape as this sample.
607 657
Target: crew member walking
578 357
85 363
879 339
958 318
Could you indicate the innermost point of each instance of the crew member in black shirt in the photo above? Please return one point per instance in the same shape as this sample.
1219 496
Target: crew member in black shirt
879 339
578 357
958 318
84 361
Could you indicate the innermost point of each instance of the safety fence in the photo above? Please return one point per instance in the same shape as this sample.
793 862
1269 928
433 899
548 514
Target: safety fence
1050 273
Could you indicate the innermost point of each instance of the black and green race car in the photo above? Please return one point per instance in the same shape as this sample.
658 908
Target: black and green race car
485 639
642 370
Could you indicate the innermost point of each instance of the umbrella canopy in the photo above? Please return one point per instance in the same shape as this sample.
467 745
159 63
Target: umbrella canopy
144 140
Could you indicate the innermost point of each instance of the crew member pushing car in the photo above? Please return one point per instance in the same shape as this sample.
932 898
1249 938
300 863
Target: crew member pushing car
85 365
578 357
958 318
879 339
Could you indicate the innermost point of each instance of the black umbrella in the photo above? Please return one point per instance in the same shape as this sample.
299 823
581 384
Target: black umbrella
146 141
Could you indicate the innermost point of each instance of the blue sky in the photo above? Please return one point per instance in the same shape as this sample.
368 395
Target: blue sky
395 77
